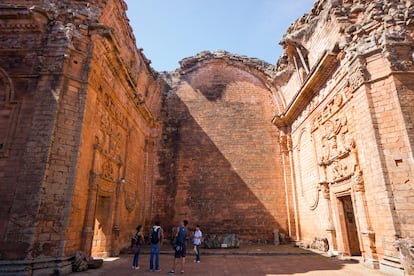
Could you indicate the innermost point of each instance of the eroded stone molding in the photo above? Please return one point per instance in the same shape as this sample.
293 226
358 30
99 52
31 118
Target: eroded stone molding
191 63
365 27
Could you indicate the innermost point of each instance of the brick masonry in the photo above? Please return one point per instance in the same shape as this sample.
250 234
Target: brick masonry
93 141
220 154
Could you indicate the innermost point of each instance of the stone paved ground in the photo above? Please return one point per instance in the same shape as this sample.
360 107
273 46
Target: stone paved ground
252 261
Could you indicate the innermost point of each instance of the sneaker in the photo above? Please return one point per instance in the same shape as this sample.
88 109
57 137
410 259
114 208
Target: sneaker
158 270
171 272
137 267
198 261
133 267
194 261
182 271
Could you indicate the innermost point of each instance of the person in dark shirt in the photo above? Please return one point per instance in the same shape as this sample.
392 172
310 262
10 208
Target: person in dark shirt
180 246
137 240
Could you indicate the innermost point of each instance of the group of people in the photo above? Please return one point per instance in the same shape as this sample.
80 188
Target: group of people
181 236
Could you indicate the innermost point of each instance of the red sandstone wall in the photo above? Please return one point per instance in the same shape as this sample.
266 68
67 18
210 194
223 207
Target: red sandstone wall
81 108
116 132
404 186
224 160
362 106
28 108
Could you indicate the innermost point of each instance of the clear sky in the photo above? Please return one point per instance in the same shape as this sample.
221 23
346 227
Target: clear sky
170 30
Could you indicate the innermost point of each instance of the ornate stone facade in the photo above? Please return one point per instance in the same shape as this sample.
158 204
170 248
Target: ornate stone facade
343 66
93 141
78 120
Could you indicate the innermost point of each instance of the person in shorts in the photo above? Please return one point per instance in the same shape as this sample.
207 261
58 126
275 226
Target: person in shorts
180 246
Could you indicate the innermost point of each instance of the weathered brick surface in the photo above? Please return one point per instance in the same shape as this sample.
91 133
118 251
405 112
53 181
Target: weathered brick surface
68 135
351 132
93 141
223 162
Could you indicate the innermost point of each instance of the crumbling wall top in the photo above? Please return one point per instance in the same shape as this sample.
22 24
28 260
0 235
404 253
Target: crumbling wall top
190 63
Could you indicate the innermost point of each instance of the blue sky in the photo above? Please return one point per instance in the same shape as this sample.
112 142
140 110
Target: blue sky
169 31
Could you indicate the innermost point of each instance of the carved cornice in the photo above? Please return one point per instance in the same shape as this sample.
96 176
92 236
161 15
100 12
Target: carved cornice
315 80
20 20
13 12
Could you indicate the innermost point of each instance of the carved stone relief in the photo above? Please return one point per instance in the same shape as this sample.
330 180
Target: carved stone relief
111 142
110 138
335 149
334 146
9 109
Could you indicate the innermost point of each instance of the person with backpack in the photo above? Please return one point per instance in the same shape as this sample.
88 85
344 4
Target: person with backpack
136 242
156 239
180 246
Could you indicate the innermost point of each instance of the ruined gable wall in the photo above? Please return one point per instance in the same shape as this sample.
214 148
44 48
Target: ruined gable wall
221 157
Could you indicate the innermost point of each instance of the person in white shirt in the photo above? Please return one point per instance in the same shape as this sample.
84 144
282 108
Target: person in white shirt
197 242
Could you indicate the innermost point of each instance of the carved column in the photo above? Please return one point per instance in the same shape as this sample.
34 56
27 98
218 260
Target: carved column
293 183
115 226
285 161
89 222
367 238
329 227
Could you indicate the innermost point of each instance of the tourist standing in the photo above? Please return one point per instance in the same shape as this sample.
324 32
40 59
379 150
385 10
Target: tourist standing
156 238
137 240
180 246
198 235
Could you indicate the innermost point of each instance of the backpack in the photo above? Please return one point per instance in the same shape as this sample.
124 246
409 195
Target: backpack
155 235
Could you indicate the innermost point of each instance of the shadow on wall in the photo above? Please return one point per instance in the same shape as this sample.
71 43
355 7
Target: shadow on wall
221 161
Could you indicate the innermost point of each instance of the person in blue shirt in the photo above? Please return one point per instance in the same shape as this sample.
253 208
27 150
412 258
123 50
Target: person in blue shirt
180 246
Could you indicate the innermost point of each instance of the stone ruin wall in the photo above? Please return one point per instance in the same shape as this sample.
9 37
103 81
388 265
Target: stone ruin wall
82 116
221 165
118 142
360 102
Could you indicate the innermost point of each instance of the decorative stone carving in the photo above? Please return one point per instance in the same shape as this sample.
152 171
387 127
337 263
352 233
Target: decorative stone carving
406 249
357 76
320 244
283 143
83 262
8 112
335 147
80 263
358 182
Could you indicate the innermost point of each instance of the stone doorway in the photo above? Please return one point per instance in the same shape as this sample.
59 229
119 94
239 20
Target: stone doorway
350 237
101 244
